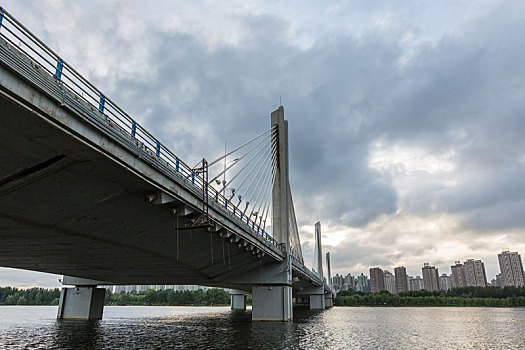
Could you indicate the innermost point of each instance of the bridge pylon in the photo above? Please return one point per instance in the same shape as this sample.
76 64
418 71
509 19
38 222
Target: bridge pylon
329 297
273 301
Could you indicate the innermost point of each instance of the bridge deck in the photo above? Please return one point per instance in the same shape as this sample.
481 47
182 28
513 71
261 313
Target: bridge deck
72 189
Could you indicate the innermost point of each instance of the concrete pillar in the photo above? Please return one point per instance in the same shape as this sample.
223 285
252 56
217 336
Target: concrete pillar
272 303
329 277
280 200
272 299
318 251
315 296
317 302
238 300
328 300
84 301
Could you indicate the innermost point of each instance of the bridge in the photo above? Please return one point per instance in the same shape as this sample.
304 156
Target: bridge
87 192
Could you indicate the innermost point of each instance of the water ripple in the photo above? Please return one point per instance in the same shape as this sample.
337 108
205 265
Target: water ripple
219 328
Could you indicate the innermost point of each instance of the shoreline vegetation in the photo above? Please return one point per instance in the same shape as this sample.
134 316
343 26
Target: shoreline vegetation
150 297
468 296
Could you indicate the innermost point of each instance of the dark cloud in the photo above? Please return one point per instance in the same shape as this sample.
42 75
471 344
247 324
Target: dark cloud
395 74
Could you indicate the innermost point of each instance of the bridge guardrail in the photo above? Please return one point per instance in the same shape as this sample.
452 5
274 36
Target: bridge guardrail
11 30
44 58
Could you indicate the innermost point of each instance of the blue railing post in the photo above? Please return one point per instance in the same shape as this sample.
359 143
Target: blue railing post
102 103
216 195
226 203
157 152
60 66
234 210
193 177
177 164
1 16
206 188
133 128
242 215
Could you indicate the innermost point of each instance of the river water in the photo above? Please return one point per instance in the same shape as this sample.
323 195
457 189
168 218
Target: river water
155 327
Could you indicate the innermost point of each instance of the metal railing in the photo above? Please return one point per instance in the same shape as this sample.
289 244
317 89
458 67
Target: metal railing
69 80
46 60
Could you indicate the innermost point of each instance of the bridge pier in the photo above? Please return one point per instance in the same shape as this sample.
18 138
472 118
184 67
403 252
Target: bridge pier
328 301
84 301
238 300
272 303
317 299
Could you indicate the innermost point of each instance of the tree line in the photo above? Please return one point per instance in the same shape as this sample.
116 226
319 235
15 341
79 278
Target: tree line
212 296
33 296
468 296
42 296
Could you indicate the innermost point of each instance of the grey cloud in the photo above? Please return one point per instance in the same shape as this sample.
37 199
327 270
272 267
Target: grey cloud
461 91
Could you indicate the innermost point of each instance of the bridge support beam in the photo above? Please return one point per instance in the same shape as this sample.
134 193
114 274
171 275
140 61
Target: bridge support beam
84 301
328 300
238 300
317 299
272 303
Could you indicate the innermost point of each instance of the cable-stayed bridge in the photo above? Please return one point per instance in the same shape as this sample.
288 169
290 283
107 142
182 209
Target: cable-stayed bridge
87 192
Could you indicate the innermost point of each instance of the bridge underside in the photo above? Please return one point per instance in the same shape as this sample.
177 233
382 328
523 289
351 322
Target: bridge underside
87 192
66 208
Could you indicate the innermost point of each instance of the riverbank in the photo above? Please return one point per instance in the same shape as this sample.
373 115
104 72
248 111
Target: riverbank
150 297
395 300
468 296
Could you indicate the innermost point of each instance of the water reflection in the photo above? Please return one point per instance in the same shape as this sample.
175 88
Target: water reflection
82 334
217 328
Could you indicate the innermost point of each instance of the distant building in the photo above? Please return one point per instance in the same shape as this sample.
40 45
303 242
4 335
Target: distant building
498 281
459 280
389 282
475 273
142 287
445 282
511 269
430 277
362 284
349 282
401 279
338 282
415 283
377 283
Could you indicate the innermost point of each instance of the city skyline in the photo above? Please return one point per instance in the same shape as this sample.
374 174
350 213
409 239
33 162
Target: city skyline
470 273
406 126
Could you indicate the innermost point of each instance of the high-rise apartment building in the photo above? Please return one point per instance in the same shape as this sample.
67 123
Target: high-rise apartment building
401 279
415 283
338 282
430 277
445 282
389 281
362 284
459 279
475 273
377 282
511 269
349 282
498 281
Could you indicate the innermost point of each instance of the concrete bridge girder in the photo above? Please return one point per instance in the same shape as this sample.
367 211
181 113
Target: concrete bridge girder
86 181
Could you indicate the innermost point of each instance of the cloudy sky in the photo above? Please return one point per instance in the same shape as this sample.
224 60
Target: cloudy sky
406 118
